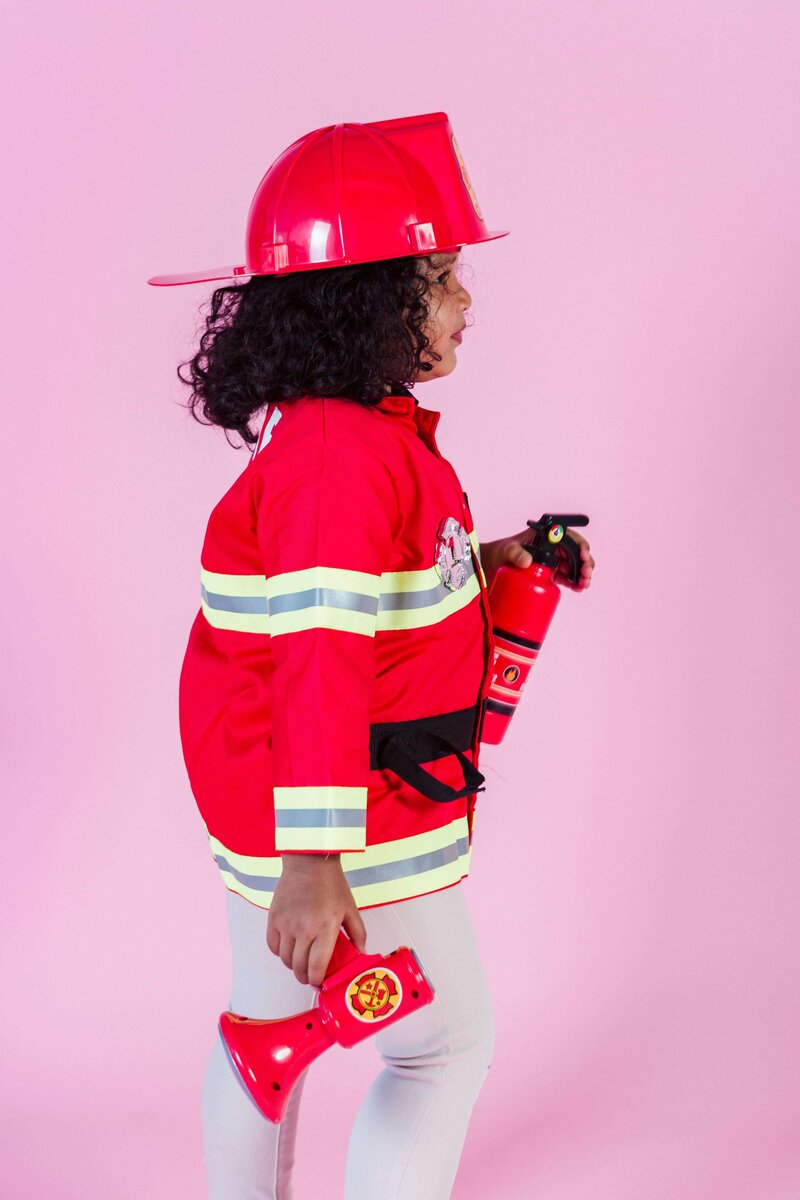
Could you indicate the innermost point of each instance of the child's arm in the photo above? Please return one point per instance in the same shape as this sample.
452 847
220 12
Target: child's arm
327 515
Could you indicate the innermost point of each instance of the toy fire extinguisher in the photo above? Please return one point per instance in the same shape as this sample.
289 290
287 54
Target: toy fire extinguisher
522 601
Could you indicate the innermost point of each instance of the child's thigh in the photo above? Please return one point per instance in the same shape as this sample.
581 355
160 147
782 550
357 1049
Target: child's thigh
263 987
438 927
459 1022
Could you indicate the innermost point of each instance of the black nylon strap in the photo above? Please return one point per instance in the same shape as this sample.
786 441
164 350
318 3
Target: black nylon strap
401 746
396 759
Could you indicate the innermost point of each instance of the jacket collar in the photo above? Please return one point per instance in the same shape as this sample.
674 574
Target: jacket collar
404 404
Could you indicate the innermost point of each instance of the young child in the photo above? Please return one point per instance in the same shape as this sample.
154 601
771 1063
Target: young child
334 682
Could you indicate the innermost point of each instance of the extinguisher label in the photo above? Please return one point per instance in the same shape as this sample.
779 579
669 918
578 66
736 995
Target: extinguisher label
510 671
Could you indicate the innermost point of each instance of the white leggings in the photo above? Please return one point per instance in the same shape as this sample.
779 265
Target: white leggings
410 1129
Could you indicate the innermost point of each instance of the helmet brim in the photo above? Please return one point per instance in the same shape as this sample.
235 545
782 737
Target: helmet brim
208 276
215 274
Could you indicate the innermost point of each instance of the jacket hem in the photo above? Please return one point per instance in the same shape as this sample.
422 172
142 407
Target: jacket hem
382 874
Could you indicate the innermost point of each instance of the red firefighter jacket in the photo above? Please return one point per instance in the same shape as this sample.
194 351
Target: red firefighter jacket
332 691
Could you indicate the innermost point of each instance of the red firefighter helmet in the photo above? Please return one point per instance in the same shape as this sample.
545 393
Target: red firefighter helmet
353 193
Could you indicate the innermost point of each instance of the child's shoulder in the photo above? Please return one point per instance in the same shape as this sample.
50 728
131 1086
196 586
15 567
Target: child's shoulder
313 425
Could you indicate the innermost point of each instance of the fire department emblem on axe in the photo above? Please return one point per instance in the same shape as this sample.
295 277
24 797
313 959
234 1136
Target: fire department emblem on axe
374 995
453 552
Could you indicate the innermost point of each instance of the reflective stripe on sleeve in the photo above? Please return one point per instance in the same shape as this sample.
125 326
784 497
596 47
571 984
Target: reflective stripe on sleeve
414 599
323 598
334 598
320 818
236 602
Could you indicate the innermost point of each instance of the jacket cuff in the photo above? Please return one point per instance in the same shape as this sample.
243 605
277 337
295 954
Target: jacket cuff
320 819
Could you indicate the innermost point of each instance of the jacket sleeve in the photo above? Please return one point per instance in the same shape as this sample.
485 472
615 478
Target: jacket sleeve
326 521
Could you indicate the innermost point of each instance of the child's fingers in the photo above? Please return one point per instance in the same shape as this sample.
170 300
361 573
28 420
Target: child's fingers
273 937
319 957
300 959
287 949
355 929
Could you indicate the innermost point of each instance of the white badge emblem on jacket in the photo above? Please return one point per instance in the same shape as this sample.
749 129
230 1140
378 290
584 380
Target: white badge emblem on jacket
453 552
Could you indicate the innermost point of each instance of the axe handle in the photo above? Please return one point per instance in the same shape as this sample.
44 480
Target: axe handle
343 952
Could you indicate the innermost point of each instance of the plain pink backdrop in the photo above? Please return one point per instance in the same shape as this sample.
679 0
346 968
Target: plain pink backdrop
634 356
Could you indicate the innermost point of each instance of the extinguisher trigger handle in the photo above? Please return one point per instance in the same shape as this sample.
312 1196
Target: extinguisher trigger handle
574 565
549 534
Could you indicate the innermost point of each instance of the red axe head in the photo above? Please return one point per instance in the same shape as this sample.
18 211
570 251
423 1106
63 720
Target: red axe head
360 994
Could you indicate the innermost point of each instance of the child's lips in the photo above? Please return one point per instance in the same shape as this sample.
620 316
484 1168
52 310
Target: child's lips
457 337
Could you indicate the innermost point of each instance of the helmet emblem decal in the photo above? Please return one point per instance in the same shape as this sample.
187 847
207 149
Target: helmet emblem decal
452 554
467 182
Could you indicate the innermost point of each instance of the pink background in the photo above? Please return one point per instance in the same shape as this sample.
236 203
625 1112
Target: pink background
635 882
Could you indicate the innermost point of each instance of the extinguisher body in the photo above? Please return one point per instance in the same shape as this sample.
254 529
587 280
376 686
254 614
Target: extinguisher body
522 603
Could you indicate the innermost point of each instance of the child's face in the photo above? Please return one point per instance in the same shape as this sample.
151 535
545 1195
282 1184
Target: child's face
448 300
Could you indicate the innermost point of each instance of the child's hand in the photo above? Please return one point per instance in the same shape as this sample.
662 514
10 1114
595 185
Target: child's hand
312 900
509 552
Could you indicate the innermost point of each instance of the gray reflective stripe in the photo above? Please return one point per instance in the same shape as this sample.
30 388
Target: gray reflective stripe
242 604
260 883
327 597
359 876
321 818
394 600
331 598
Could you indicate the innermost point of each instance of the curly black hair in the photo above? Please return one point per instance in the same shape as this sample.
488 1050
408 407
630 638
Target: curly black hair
354 332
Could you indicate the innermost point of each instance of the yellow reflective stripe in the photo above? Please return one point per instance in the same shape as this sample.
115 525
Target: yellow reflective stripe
396 582
320 818
335 598
237 622
428 614
319 616
476 546
379 874
233 585
323 796
236 602
330 577
323 598
320 837
391 890
384 852
408 847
